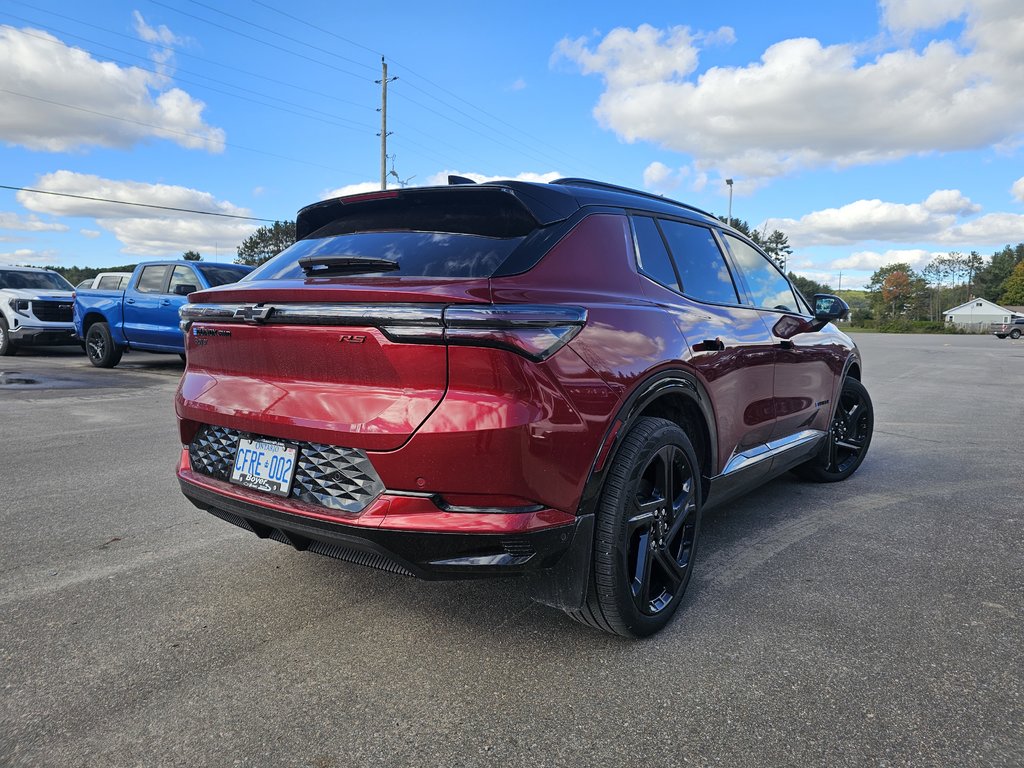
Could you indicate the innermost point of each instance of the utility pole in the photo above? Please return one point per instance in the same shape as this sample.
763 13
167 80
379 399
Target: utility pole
384 123
729 182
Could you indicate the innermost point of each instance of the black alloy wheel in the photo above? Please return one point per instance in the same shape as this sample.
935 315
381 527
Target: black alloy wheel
848 438
100 347
648 522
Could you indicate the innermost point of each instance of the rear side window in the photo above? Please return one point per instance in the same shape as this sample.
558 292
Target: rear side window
701 265
222 274
109 283
152 279
654 259
417 254
768 286
183 276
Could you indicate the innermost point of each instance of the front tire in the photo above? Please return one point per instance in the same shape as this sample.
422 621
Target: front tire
7 346
647 525
100 347
848 437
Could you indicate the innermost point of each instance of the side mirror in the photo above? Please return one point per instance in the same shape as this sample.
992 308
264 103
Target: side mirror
829 308
184 289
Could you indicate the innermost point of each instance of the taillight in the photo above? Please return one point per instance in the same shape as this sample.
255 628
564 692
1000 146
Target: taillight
534 331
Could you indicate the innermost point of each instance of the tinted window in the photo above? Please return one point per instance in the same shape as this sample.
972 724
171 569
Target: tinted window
109 283
222 274
47 281
653 258
183 276
768 286
420 254
152 279
700 263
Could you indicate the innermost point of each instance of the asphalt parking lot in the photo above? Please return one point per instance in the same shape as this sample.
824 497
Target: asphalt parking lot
873 622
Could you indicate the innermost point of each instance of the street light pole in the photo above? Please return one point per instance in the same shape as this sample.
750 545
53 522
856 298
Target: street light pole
729 182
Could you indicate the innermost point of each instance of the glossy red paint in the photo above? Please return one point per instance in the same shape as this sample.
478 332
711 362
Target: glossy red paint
390 511
312 386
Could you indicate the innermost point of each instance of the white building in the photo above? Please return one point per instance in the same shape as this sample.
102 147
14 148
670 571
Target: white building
976 314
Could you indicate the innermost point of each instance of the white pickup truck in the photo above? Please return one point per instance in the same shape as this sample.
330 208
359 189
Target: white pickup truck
105 281
36 307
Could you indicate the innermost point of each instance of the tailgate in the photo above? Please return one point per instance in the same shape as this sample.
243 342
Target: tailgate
348 383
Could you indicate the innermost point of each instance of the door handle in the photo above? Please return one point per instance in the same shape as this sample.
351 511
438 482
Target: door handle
165 302
129 301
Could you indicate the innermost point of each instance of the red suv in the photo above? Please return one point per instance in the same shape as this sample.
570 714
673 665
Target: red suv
551 381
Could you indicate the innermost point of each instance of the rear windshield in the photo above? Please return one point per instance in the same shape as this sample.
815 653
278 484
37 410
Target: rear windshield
47 281
221 274
418 254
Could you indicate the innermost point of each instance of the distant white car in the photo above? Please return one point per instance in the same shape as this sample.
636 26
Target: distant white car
105 281
36 308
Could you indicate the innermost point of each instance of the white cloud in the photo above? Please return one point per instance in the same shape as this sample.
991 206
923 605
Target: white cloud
92 234
660 177
441 179
950 201
162 37
910 15
351 189
805 104
1017 190
872 260
116 106
144 231
9 220
990 229
27 256
161 34
861 221
939 220
518 85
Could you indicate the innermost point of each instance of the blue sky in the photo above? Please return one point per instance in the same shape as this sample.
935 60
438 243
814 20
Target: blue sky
869 132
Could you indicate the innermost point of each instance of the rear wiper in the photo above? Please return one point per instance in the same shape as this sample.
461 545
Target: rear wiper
344 264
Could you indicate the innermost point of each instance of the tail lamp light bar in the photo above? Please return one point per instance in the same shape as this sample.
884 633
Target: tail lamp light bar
535 331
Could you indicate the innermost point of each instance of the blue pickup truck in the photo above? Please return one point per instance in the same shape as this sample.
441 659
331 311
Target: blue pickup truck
145 314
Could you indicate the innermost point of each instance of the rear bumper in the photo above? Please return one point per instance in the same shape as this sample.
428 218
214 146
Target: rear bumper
432 544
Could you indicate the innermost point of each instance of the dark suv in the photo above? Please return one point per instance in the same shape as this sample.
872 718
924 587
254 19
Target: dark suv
543 380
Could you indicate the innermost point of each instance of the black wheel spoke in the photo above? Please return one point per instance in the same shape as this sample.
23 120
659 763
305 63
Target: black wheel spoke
641 583
674 572
643 515
684 514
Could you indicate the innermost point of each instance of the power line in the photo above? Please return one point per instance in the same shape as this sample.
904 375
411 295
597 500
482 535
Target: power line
258 40
171 130
426 151
353 127
177 52
140 205
281 34
482 111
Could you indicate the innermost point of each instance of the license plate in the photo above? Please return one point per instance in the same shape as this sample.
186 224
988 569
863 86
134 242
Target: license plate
264 466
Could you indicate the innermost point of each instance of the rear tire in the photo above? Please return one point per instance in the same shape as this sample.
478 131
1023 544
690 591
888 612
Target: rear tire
100 347
1015 333
647 526
7 346
848 437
